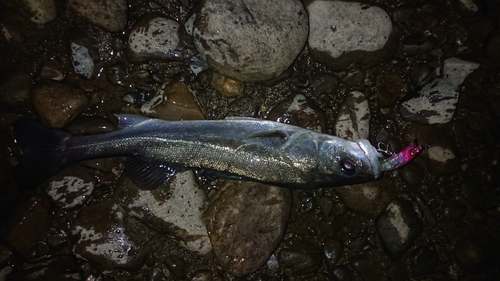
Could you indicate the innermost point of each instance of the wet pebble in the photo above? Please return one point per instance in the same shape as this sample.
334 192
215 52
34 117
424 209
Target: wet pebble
246 222
467 7
367 198
435 103
57 103
173 101
85 58
398 227
300 111
412 174
418 44
156 37
228 87
325 83
340 273
367 268
326 205
28 226
423 261
354 77
333 250
251 41
111 15
175 208
391 88
104 235
70 191
329 226
177 266
301 258
368 28
353 118
117 75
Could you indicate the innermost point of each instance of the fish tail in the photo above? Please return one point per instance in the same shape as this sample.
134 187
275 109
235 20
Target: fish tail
40 156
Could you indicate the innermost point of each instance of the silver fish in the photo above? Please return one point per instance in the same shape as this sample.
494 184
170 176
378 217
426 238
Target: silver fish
237 147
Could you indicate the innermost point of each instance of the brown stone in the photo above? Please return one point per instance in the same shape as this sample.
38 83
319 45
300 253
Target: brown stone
57 104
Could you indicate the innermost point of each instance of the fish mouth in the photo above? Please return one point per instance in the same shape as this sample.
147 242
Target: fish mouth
373 157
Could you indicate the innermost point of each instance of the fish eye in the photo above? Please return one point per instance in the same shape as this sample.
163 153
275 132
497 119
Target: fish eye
347 167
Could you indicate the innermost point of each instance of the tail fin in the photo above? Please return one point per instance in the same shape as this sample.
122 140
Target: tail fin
40 157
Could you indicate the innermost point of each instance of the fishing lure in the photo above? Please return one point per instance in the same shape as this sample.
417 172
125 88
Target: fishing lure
401 158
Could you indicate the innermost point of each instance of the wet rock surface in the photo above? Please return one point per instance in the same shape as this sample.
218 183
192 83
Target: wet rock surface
250 40
246 222
436 218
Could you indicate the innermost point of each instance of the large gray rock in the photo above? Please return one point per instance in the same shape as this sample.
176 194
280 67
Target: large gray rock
250 40
343 33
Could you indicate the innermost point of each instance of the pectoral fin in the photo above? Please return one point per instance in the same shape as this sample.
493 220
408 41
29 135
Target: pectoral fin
149 174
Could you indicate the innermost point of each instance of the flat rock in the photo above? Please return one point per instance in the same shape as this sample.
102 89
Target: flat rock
436 102
156 37
343 33
249 41
72 187
246 222
103 235
353 118
175 209
57 103
111 15
398 227
173 101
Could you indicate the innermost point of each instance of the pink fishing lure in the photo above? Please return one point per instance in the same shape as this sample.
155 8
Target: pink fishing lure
401 158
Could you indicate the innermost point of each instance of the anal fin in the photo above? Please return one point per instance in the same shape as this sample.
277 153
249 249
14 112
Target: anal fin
149 175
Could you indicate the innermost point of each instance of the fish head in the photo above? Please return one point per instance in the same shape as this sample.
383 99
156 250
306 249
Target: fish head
345 162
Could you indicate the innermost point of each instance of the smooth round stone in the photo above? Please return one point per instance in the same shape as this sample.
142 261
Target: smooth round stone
353 118
155 37
246 222
177 266
333 250
340 273
91 126
343 33
249 41
412 174
110 15
57 103
72 187
398 227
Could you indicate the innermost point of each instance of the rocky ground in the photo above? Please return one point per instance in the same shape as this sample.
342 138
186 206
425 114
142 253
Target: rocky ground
387 71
